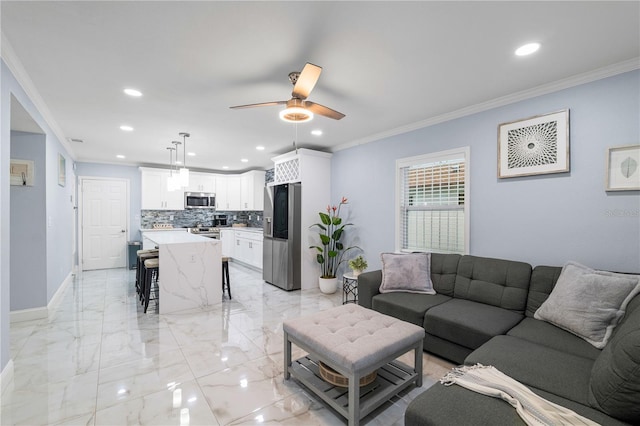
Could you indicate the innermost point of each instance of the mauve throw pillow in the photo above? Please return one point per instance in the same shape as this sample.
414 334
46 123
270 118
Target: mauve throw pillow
409 273
589 303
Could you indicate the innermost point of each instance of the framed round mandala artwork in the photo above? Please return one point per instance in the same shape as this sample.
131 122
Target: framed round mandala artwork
534 146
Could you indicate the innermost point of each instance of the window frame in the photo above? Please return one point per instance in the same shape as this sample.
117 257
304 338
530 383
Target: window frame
431 158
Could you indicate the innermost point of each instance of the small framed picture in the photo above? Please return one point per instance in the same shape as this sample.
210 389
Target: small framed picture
534 146
21 172
62 170
623 168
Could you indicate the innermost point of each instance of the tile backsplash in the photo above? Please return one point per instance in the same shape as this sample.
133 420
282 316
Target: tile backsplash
193 217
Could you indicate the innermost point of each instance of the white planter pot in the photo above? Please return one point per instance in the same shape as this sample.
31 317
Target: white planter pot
328 285
356 272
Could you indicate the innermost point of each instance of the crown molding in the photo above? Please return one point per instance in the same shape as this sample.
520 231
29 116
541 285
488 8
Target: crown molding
17 69
577 80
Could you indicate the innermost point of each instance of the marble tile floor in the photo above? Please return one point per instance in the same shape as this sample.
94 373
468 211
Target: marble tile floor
98 360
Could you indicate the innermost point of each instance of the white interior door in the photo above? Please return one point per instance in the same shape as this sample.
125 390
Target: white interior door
104 224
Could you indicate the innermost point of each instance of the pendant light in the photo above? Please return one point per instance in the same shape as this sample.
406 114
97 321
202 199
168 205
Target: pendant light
176 182
171 181
184 172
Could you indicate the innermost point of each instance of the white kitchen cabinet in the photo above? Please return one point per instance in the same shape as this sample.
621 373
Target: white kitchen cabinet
228 192
227 236
248 248
202 182
252 190
256 254
155 192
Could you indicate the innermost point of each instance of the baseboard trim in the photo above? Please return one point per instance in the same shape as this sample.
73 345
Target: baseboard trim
43 311
246 265
29 314
57 296
6 377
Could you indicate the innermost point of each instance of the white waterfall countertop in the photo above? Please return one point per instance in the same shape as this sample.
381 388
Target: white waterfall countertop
190 270
170 237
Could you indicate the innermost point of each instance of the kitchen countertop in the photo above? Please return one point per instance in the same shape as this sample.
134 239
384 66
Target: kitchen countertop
169 237
248 229
162 229
220 228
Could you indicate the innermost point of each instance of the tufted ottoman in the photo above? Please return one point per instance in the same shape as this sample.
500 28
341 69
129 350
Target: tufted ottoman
354 341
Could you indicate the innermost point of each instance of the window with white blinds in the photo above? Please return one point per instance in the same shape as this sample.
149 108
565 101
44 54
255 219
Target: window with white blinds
433 202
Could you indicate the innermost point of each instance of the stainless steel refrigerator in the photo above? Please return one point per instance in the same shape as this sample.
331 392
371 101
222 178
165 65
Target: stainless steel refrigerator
281 253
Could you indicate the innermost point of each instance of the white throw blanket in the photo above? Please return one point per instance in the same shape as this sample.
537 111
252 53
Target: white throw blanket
533 409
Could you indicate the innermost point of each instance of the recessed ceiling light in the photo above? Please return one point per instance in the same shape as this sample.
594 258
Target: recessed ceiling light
133 92
178 162
527 49
260 148
316 132
244 160
120 156
126 128
191 154
225 167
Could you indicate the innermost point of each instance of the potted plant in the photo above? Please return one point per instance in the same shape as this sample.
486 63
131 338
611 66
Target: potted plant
331 251
358 265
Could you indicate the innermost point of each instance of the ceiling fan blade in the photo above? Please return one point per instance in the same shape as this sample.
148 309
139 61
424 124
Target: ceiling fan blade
259 105
323 110
306 81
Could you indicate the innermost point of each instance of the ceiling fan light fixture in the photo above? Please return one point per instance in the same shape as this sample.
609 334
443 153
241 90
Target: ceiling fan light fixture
296 115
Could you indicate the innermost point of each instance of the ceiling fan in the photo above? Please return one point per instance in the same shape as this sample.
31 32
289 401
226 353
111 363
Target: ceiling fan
298 109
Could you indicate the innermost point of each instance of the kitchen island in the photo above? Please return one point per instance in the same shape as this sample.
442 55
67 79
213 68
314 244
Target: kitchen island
190 270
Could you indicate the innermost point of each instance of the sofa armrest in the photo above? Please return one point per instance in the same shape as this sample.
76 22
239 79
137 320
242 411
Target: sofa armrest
368 286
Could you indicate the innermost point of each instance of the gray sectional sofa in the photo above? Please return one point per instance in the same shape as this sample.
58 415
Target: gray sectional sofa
483 312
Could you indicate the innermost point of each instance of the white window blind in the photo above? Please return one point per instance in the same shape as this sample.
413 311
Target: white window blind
432 200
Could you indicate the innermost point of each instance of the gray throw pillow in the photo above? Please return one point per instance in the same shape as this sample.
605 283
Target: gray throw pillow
588 303
410 273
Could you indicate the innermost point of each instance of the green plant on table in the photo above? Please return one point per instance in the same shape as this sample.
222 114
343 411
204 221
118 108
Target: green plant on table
358 264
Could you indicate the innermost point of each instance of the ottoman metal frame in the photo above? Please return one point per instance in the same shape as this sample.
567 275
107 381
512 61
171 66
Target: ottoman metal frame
354 402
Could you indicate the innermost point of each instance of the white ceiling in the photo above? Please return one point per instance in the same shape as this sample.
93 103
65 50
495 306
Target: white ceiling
389 66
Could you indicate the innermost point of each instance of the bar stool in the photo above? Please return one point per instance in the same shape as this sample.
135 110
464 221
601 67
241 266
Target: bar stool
151 269
225 276
142 256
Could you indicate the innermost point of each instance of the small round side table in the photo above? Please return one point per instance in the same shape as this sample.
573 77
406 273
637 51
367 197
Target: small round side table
349 289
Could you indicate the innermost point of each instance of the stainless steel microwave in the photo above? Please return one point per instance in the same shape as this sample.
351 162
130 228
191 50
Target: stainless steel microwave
199 200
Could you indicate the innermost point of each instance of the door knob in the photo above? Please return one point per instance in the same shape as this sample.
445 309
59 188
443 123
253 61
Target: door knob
123 231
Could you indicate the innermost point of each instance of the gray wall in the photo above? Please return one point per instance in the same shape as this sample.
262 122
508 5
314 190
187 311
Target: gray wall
542 219
28 227
132 174
58 206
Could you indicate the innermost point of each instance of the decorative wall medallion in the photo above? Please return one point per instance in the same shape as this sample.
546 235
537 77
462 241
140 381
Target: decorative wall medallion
623 172
536 145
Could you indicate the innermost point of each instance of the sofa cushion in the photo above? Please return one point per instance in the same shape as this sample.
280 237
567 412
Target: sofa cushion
615 379
406 272
407 306
546 334
454 405
543 278
443 272
468 323
589 303
497 282
561 373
